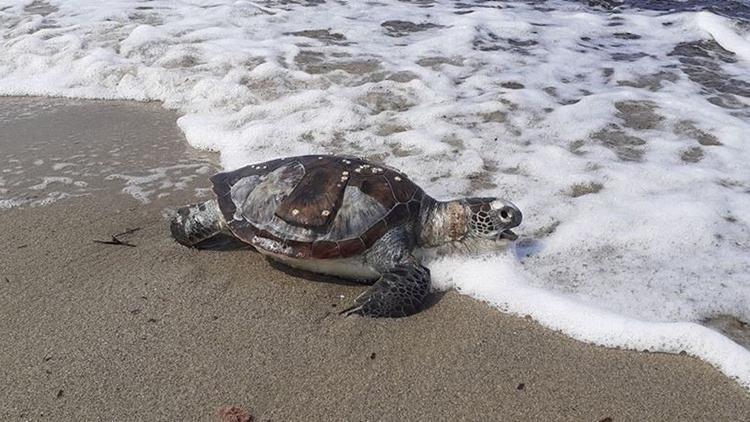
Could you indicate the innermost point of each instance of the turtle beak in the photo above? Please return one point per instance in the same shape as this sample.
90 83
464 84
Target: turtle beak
508 234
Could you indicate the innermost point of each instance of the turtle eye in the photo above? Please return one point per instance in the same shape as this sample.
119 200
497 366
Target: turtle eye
506 214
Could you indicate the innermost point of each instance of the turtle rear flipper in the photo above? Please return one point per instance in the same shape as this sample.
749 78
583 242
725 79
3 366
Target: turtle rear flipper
202 226
399 292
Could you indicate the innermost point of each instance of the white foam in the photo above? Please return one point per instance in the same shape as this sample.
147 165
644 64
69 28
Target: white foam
722 30
601 127
61 166
40 201
158 180
46 181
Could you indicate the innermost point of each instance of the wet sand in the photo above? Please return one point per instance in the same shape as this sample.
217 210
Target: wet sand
94 331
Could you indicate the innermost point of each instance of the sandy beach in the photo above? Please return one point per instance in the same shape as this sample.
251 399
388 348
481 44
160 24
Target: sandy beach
155 331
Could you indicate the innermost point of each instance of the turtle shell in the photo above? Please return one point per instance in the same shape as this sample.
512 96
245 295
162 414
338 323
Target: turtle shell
316 206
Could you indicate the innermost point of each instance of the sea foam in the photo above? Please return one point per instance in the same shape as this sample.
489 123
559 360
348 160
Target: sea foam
621 134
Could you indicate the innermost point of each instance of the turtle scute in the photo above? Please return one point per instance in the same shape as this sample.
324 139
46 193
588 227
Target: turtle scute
314 201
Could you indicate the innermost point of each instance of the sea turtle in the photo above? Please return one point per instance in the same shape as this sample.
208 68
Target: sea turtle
346 217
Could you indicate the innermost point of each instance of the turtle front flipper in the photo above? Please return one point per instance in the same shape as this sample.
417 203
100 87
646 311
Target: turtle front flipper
399 292
202 226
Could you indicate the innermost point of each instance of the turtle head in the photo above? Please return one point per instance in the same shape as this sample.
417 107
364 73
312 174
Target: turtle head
471 224
492 218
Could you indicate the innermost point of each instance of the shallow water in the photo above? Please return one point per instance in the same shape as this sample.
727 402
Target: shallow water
38 168
620 128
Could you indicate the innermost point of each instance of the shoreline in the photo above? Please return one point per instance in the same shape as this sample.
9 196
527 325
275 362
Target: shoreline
157 331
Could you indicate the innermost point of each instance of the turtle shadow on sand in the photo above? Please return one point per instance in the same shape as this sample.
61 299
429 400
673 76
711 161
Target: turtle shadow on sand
316 277
226 243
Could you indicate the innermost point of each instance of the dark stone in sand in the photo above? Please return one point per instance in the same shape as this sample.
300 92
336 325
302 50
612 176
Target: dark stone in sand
314 63
569 101
550 90
435 62
580 189
396 28
495 116
512 85
628 57
626 36
486 40
384 100
638 115
692 155
650 82
687 128
626 147
609 5
319 34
